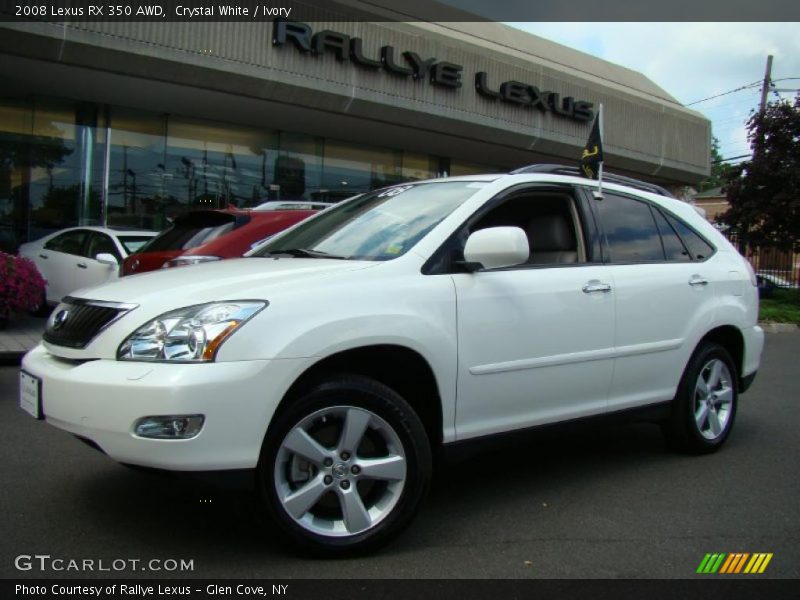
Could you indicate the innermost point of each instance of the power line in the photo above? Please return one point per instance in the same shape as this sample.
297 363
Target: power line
722 160
739 89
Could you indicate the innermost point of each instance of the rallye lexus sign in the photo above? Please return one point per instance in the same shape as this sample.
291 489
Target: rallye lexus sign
439 73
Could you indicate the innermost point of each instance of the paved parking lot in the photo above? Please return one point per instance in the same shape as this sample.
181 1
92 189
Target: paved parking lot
610 502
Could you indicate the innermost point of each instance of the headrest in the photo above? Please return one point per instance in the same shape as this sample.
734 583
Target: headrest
550 233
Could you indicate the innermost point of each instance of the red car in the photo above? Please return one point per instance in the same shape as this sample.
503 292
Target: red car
205 235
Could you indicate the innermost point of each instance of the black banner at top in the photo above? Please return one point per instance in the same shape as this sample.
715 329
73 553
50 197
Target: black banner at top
390 10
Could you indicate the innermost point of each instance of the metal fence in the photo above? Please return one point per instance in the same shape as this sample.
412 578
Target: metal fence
773 267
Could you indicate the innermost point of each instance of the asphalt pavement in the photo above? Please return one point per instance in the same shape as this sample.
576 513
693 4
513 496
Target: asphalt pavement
608 502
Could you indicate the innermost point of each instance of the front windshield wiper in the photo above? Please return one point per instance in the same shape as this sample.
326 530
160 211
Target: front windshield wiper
304 253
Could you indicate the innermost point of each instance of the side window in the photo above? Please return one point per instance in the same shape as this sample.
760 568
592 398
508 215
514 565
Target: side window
630 229
673 246
549 220
100 243
70 242
698 247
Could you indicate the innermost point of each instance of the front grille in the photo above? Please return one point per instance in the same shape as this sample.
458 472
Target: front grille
76 321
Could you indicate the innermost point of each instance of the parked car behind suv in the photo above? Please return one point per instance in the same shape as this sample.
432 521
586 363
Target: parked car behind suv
78 257
208 235
336 361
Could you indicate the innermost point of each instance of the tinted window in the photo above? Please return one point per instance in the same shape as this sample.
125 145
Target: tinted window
100 243
630 229
70 242
133 243
192 230
698 247
673 246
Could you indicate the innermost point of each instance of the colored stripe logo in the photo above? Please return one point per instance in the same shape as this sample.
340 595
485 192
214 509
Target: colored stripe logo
737 562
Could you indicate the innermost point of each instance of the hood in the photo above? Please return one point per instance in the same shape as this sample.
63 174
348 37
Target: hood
164 290
242 278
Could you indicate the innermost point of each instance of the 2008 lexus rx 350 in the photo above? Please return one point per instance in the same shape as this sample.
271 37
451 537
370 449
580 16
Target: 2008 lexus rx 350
334 362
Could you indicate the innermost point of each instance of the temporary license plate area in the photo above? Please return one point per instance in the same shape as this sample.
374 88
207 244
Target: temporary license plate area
30 394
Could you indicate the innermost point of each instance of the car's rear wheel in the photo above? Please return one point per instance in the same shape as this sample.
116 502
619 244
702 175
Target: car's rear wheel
704 408
344 468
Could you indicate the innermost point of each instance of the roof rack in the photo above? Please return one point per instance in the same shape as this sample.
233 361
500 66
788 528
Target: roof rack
607 177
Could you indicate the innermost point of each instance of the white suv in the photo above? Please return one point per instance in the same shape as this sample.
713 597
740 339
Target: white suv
339 358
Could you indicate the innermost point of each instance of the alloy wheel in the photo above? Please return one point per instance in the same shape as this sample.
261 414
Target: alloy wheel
340 471
713 398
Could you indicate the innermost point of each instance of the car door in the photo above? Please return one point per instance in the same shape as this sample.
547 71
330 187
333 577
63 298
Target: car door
58 264
663 295
535 341
90 272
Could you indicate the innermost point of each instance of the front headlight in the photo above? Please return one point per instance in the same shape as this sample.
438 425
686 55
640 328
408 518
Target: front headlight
183 261
191 334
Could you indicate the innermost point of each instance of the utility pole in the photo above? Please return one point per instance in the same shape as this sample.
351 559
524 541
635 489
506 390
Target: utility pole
743 238
765 85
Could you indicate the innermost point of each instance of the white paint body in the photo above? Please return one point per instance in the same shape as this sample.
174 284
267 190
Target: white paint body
67 273
509 349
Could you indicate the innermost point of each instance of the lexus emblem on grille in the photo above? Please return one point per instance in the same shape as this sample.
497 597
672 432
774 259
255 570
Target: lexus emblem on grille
60 318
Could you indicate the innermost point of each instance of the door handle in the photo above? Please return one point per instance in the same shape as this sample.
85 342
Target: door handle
697 280
596 286
43 256
82 265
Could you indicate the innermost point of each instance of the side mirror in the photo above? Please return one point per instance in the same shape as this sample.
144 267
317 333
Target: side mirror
497 247
104 258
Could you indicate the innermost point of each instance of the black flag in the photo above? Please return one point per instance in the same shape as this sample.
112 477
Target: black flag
592 156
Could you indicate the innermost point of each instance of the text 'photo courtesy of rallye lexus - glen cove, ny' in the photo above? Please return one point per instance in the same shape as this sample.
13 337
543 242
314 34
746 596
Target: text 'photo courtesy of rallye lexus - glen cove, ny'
337 360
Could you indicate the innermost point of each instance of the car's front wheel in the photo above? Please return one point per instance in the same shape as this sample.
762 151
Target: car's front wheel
344 468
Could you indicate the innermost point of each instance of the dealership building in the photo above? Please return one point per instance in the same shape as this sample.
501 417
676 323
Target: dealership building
130 123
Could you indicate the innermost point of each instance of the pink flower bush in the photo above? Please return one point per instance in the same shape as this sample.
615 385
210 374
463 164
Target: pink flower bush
21 284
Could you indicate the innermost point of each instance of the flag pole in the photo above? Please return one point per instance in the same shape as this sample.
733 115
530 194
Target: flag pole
599 193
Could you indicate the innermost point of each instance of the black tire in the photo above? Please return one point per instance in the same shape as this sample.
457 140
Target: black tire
682 430
345 395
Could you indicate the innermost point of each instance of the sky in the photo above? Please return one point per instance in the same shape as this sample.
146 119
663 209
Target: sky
693 61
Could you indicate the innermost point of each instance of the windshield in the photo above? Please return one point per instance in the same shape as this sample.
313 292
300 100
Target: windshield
192 230
133 243
381 225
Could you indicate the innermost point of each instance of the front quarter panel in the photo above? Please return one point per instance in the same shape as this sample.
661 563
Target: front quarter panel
389 307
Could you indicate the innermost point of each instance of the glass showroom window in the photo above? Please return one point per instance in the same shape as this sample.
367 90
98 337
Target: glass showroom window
212 165
420 166
351 169
458 167
66 181
15 156
298 168
137 171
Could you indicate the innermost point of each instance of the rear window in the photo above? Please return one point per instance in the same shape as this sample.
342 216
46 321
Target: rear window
192 230
699 248
133 243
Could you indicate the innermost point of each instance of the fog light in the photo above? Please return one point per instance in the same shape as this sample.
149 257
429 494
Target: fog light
169 427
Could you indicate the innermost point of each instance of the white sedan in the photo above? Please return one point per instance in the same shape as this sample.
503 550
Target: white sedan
81 257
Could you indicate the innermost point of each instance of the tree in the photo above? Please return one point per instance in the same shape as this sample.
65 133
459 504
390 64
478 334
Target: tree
719 170
764 192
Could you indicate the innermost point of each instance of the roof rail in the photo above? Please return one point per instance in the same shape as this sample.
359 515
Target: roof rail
608 177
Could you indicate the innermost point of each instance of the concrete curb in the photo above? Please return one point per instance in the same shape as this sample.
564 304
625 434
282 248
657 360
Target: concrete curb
779 327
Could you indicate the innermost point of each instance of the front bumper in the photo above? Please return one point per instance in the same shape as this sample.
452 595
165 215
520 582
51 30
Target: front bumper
100 400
